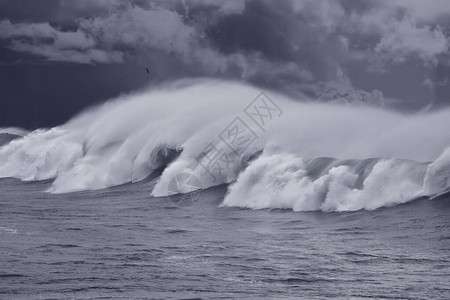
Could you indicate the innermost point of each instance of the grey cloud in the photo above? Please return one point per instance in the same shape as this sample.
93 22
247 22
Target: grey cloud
44 40
397 34
405 39
125 30
302 47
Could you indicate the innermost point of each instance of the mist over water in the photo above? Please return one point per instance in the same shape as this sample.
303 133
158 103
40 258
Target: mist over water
310 156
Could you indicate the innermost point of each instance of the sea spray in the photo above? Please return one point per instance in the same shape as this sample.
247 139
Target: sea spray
115 143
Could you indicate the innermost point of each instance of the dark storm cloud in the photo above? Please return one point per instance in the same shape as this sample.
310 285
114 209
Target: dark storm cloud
321 48
314 35
296 42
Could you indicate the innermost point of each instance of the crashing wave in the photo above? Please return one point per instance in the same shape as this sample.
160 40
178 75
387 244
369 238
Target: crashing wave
11 133
296 155
285 181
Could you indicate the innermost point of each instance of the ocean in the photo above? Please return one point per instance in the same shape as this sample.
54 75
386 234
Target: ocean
182 192
121 243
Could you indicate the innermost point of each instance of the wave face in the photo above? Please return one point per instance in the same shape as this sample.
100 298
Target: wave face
284 181
291 154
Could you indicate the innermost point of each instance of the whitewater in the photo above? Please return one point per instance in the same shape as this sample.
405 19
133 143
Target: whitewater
308 156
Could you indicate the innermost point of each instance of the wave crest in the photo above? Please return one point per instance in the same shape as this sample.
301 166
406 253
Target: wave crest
314 154
283 181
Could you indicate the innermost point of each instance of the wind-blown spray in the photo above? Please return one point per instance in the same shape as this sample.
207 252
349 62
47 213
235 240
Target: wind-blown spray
125 140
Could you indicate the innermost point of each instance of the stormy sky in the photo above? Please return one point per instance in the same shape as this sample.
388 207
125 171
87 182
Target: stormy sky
58 57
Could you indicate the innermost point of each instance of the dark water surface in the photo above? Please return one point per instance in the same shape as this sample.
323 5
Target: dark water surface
122 244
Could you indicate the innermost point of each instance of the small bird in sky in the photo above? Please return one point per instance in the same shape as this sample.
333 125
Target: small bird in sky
148 72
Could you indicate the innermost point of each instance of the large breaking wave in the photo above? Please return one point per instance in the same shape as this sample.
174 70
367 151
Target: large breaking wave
311 156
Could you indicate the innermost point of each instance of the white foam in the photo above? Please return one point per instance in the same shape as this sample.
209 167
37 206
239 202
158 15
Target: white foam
437 178
14 130
112 144
280 181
